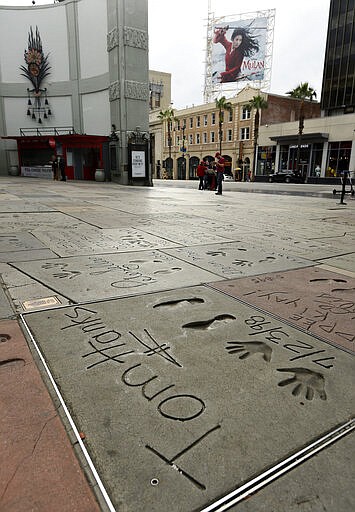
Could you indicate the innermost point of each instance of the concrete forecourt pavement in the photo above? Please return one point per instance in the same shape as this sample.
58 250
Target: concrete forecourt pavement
164 349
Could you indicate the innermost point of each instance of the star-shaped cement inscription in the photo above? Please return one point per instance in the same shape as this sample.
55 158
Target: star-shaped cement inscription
319 301
185 394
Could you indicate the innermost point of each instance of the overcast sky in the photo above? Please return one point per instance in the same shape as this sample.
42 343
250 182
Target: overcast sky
178 35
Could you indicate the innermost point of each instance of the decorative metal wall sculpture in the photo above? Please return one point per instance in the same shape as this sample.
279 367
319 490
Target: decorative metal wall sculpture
36 71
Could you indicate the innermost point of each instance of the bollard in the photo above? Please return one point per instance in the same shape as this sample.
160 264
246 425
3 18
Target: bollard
343 181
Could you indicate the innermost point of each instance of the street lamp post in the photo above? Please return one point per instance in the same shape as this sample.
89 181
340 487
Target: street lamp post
299 143
169 145
183 150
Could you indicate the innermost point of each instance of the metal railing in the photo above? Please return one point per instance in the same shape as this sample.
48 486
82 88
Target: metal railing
61 130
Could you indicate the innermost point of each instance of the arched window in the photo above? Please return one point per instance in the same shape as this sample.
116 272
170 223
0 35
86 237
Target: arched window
168 168
181 168
193 163
227 164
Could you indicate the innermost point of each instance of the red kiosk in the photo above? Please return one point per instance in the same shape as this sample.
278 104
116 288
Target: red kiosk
83 154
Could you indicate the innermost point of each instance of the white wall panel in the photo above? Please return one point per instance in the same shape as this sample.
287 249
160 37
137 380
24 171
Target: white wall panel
96 113
14 28
16 118
92 20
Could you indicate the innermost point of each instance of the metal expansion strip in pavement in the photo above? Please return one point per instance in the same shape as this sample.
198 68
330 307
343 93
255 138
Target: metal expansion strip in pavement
91 465
238 494
279 469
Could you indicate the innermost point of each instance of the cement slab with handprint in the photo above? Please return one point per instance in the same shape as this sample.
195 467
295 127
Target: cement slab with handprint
237 259
313 299
289 243
185 394
11 222
90 240
113 275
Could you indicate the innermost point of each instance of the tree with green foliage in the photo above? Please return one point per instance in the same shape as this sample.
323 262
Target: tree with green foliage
222 104
302 92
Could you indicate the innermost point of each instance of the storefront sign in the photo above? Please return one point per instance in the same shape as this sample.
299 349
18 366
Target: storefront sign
138 164
37 172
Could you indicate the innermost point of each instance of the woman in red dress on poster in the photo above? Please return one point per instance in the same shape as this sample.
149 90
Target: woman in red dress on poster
242 45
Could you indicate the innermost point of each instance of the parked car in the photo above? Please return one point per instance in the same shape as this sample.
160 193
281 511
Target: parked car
288 176
228 177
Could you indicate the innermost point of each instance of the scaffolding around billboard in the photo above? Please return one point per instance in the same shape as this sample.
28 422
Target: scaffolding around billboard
239 51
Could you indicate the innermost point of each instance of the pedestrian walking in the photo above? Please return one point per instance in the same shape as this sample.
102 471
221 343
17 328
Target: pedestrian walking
201 172
55 169
220 172
61 166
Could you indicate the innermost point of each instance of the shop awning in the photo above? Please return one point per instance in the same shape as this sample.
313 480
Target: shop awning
75 140
307 138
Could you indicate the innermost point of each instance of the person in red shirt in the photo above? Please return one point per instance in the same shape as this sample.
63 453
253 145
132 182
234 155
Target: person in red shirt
201 171
242 45
220 172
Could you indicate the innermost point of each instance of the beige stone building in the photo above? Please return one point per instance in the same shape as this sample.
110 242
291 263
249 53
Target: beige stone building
194 135
159 99
159 90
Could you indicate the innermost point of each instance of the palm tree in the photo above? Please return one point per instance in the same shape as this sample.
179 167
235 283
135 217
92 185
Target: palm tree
222 104
301 92
169 116
257 103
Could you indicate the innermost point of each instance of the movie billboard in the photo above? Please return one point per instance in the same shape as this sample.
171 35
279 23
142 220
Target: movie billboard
238 50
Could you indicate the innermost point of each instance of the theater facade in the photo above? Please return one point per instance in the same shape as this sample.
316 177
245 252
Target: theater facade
74 83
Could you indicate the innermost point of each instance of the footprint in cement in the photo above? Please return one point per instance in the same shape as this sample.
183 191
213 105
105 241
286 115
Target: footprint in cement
4 338
212 323
168 270
178 302
326 280
343 290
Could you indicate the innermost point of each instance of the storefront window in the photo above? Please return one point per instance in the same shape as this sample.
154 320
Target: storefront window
316 162
266 160
283 158
338 158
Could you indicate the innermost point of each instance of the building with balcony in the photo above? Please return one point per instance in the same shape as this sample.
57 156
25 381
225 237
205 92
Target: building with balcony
159 100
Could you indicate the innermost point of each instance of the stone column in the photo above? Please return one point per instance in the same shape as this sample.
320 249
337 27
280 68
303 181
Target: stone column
127 45
324 160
